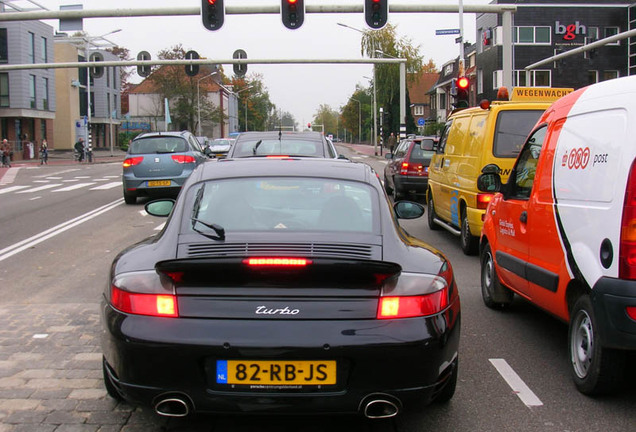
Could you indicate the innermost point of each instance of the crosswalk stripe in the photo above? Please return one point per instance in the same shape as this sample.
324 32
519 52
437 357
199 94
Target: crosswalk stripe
107 186
73 187
11 189
41 188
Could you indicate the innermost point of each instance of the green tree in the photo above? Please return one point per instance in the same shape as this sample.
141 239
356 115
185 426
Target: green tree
357 114
253 96
387 76
328 118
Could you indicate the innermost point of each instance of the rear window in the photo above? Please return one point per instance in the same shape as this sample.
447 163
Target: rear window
419 155
158 145
511 131
274 146
285 205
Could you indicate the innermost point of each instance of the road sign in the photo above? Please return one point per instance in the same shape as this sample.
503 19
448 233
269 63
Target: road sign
446 32
240 69
421 122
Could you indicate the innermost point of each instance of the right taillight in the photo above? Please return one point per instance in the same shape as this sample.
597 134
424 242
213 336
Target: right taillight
132 161
627 261
144 293
416 295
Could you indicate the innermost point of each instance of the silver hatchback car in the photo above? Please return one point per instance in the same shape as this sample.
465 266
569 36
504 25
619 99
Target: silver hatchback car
158 163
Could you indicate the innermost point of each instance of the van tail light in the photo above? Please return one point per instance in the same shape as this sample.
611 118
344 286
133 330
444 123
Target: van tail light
183 159
144 293
413 169
627 254
483 199
132 161
410 295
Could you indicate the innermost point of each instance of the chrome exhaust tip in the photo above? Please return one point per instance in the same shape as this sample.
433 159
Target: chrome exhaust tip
172 407
380 406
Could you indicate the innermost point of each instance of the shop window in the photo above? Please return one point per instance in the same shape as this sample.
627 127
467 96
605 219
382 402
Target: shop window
611 31
4 89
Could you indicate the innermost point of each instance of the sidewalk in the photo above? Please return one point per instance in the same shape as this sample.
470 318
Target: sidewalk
365 149
64 157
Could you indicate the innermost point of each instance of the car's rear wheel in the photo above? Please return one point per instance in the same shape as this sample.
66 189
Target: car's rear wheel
130 198
595 369
448 391
469 242
108 383
494 294
397 195
430 207
387 188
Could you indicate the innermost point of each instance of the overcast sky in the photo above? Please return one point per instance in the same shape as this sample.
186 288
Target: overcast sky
298 89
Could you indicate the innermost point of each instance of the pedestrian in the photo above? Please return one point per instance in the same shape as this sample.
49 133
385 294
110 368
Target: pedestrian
44 153
79 148
392 142
6 151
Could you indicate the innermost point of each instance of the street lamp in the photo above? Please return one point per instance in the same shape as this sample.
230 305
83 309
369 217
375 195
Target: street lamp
359 119
240 91
375 108
199 101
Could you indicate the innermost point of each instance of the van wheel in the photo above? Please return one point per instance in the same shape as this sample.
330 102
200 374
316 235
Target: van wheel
470 243
430 207
494 294
595 369
130 198
387 188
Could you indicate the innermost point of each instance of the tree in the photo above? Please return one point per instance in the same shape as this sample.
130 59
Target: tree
252 93
357 113
124 75
328 118
387 76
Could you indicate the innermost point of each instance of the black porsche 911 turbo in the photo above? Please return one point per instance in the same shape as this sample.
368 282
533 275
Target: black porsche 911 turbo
281 286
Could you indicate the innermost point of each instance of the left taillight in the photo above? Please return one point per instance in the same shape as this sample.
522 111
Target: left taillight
413 169
412 295
144 293
183 159
132 161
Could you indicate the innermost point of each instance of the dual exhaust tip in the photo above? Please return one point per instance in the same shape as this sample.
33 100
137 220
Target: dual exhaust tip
377 406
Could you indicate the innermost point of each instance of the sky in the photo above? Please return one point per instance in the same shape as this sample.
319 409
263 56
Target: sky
297 89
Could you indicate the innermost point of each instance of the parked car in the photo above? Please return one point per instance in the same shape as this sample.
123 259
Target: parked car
280 143
407 169
281 286
560 232
219 147
158 163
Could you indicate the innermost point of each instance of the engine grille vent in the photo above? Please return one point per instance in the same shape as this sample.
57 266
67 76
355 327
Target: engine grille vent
336 250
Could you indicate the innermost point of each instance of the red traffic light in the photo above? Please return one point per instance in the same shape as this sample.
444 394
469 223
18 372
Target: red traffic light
463 83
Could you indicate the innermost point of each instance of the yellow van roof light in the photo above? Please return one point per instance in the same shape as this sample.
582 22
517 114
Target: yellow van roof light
538 94
502 94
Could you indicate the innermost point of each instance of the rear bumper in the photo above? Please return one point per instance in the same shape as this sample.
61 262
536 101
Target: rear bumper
610 297
140 186
149 358
416 185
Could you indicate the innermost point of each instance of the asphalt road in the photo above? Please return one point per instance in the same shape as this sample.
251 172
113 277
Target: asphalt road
56 246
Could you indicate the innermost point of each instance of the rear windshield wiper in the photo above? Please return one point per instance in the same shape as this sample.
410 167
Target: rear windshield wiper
219 230
259 142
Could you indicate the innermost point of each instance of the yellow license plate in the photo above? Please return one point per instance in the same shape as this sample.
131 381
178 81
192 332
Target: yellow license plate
261 372
155 183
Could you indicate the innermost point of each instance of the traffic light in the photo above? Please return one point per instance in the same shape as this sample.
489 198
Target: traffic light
143 70
212 14
292 13
193 69
96 71
461 98
376 13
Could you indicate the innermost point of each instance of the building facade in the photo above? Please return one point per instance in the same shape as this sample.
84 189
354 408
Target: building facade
543 28
27 97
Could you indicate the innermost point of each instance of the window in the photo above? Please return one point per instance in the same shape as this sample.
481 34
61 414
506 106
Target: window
418 110
527 35
45 96
497 79
4 90
480 81
527 164
45 54
448 69
31 48
32 100
114 78
442 101
611 31
4 53
533 78
511 130
610 74
592 77
592 33
107 80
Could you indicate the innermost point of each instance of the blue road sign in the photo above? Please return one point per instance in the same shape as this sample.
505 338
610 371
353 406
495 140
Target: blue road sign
446 32
421 121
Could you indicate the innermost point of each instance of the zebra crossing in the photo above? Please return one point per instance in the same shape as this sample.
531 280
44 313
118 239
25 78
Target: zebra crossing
58 184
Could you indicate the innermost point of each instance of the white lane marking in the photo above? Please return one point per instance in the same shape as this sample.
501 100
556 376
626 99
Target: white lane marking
107 186
35 198
54 178
52 232
160 227
57 173
69 181
40 188
40 181
73 187
9 176
143 213
112 176
11 189
516 383
82 177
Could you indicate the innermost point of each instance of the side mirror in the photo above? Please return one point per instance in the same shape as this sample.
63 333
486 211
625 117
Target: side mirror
489 182
388 155
408 210
341 156
160 208
207 151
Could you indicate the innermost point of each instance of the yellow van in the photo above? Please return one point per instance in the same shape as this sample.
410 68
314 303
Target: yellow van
492 133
